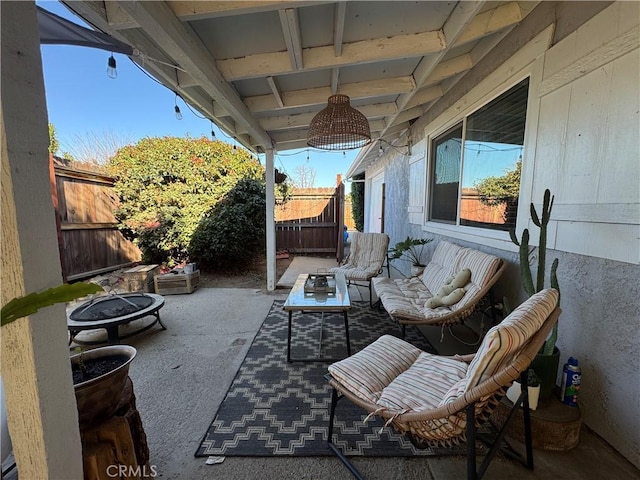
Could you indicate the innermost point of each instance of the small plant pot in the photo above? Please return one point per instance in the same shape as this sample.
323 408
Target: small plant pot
546 367
97 399
534 394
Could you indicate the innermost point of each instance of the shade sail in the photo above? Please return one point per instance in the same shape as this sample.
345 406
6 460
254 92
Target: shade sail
55 30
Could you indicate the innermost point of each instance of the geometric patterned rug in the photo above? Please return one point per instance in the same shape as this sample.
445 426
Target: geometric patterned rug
279 408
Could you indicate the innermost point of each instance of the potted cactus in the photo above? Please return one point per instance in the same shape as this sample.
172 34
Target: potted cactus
546 362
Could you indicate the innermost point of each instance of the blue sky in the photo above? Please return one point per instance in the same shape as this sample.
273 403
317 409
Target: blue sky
82 100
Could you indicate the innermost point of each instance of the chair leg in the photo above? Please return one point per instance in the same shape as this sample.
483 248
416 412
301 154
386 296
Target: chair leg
345 461
526 414
471 442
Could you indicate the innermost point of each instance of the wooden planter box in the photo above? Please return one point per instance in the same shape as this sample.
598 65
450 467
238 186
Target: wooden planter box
176 283
140 278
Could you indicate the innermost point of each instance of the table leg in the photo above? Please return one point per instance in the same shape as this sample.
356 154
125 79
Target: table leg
346 331
289 338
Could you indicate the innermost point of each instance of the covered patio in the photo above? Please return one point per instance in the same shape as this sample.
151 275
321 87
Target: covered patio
261 71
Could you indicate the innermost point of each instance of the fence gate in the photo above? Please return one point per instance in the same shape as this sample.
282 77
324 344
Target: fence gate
88 235
312 221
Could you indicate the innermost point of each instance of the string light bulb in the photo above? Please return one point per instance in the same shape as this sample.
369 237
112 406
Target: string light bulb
213 134
111 68
176 108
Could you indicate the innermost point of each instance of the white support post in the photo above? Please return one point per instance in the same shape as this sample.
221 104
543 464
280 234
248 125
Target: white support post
36 372
271 222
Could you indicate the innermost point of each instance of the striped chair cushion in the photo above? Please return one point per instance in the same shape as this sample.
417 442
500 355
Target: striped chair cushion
367 372
398 376
482 265
441 266
506 339
423 385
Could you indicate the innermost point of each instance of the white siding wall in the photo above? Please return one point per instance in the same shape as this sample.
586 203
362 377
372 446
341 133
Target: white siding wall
583 143
587 146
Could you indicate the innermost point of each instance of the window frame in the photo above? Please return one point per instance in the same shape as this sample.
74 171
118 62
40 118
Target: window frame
491 237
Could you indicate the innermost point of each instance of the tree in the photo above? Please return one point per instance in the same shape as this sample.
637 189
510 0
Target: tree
505 189
54 144
166 185
92 147
305 176
232 233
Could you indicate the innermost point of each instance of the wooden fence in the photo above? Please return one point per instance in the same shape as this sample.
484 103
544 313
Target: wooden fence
89 240
312 221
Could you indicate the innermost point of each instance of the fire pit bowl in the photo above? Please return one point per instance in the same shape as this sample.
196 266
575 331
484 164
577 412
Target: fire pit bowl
110 311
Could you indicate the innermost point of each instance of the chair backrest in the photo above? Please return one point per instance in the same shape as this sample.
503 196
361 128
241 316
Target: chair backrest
506 340
448 259
368 250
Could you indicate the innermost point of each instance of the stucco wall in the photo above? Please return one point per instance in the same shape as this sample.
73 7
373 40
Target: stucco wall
600 296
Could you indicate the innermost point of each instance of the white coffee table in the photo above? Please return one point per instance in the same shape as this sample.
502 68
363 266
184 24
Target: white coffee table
304 302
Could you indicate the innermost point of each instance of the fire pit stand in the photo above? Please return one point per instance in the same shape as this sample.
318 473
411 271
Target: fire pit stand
110 311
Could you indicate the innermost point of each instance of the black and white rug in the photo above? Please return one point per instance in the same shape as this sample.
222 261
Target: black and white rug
279 408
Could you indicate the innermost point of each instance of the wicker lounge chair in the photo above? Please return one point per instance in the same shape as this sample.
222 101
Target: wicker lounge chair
367 255
404 299
441 401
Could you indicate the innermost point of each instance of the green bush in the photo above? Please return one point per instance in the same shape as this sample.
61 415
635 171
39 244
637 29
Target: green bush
232 233
166 185
357 201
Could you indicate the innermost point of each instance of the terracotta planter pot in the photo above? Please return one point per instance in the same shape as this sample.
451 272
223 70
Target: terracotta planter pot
546 367
97 399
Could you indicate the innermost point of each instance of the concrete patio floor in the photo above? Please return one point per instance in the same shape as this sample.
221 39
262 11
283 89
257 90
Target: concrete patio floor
181 375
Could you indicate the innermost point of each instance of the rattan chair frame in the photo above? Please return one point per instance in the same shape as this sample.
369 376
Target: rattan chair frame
477 405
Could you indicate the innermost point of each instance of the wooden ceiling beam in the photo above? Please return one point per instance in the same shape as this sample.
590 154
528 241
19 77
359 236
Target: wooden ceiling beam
365 51
187 50
338 27
304 119
291 31
275 91
461 17
186 11
314 97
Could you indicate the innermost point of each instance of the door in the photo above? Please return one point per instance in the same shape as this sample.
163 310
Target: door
376 204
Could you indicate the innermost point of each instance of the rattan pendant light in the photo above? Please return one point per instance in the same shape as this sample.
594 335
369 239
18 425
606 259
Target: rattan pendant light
339 126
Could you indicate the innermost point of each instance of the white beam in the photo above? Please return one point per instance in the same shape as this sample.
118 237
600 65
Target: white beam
318 96
335 78
270 221
304 119
36 372
365 51
276 92
291 32
338 27
461 16
187 50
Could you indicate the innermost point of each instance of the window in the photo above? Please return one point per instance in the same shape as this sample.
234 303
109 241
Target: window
475 166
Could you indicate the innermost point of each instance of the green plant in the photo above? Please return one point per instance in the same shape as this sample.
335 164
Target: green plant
409 250
29 304
232 233
525 266
167 185
357 201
